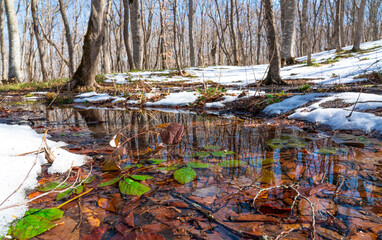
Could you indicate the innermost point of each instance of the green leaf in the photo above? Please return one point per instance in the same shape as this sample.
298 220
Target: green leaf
211 147
79 189
30 226
184 175
198 165
89 179
155 161
267 176
327 150
65 194
232 163
200 154
222 153
130 187
48 213
267 161
46 187
110 182
141 177
170 168
134 165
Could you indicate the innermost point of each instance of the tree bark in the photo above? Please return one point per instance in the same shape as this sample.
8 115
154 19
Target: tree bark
273 76
86 71
289 15
36 31
126 34
14 64
191 31
337 27
68 37
233 35
136 32
2 46
359 29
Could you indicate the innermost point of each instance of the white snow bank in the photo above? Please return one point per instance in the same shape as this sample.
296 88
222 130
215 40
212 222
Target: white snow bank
15 140
343 71
175 99
232 96
336 118
290 103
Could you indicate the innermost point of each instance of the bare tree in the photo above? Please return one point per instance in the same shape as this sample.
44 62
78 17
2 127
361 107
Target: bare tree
36 31
288 26
337 27
68 37
233 34
2 47
359 28
14 64
191 31
136 32
126 16
273 76
86 71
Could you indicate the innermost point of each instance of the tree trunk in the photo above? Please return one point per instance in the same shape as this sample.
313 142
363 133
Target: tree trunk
36 31
174 8
233 35
86 71
337 27
191 31
162 36
289 14
2 46
68 38
14 64
273 76
259 26
136 32
126 34
359 29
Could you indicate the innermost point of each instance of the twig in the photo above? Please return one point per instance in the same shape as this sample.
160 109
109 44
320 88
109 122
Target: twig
293 187
60 206
355 104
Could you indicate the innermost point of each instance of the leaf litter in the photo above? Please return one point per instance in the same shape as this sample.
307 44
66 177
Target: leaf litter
304 187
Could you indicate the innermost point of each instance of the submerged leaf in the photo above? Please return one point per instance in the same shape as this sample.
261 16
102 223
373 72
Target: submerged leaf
48 213
110 182
200 154
232 163
222 153
30 226
184 175
65 194
141 177
89 179
130 187
169 168
211 147
172 134
198 165
46 187
155 161
327 150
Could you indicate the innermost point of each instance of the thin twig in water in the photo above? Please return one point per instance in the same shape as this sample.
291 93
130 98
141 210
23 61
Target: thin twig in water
355 104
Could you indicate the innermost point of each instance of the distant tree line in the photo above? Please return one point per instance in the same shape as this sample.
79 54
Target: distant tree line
52 39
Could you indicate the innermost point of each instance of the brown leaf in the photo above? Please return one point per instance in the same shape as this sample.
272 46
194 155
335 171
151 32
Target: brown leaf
96 234
110 164
178 204
130 219
65 230
106 204
247 217
172 134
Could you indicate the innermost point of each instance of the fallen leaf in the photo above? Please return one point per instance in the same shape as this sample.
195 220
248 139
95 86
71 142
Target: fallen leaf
172 134
274 210
130 219
106 204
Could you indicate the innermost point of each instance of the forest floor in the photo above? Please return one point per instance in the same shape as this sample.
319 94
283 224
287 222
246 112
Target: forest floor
244 161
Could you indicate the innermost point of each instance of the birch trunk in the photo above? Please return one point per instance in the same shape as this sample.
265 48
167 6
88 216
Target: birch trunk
14 64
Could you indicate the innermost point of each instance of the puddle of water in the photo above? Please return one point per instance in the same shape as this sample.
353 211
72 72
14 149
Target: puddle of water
342 182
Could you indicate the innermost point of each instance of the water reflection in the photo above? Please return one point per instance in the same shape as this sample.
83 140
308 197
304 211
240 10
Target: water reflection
275 166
